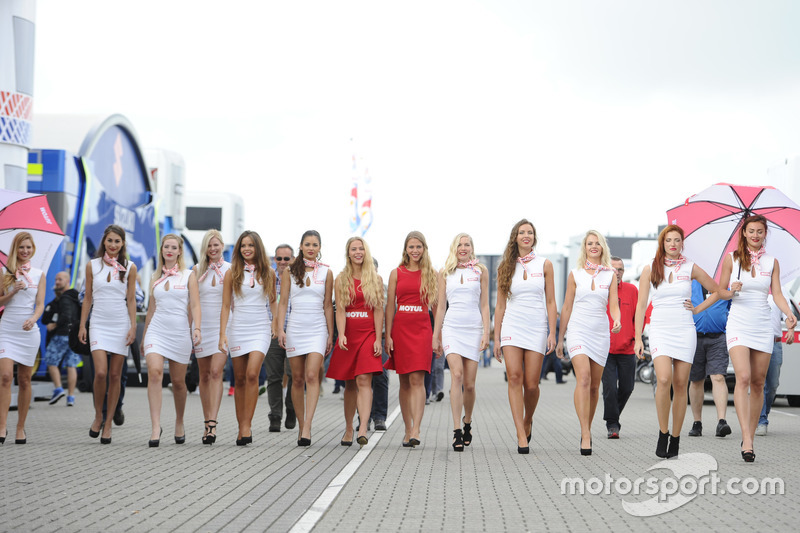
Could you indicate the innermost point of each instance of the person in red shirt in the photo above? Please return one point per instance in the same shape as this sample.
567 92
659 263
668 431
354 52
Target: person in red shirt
620 370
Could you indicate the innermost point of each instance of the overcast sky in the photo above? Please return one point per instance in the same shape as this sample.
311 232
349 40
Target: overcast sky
470 114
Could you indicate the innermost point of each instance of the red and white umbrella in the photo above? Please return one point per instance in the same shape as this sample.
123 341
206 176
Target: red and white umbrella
711 221
22 211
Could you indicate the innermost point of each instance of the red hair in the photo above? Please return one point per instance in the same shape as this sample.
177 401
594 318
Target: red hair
657 268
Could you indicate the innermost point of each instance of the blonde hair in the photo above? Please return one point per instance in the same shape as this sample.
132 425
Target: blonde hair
605 255
428 287
10 276
371 285
202 262
181 262
451 264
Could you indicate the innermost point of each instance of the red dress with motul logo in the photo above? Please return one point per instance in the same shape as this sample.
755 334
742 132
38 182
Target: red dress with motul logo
411 329
359 329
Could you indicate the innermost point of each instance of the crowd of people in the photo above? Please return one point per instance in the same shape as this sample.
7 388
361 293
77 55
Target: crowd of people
286 322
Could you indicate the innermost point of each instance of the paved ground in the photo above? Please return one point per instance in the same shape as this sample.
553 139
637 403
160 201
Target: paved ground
64 481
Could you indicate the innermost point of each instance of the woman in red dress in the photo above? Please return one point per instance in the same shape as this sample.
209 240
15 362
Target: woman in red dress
359 319
409 335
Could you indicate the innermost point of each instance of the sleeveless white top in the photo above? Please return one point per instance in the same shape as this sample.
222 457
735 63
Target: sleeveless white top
16 343
109 322
210 307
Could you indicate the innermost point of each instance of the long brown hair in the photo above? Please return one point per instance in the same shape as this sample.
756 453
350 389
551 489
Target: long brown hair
429 284
263 272
11 262
505 271
740 253
122 256
657 268
298 267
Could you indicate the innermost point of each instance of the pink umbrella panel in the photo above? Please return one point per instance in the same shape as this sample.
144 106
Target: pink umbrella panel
31 213
711 221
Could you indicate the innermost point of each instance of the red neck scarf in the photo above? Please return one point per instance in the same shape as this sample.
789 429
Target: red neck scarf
675 263
471 265
597 268
167 273
216 267
112 262
22 272
315 265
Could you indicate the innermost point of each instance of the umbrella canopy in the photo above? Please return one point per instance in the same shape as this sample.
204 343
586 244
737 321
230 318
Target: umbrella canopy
22 211
713 218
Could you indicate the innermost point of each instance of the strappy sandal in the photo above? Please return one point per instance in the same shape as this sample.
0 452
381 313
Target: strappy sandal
211 438
458 440
205 435
467 431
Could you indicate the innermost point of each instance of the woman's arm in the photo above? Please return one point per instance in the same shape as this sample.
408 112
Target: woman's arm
87 303
390 309
225 311
151 309
726 288
641 308
613 305
709 285
341 315
499 312
485 312
377 316
566 312
436 343
550 303
327 307
780 299
195 318
130 298
283 306
39 307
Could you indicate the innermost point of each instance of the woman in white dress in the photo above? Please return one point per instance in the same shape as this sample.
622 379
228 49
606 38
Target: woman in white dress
111 298
170 332
462 332
210 273
591 288
309 332
751 274
23 297
673 338
524 324
249 288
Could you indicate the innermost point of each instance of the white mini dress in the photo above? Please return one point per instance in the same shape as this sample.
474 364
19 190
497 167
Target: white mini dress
210 309
462 329
749 317
672 329
16 343
109 322
249 327
525 319
587 331
169 333
307 330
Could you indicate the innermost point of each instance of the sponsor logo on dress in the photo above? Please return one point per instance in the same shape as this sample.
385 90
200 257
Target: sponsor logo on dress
32 285
2 351
538 275
684 278
410 308
290 350
604 286
236 348
476 278
180 287
734 339
356 314
197 349
575 348
505 339
653 351
320 282
94 342
766 273
146 347
446 347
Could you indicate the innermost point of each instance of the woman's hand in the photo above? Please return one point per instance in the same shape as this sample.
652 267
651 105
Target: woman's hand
687 304
617 326
196 337
342 342
560 350
20 285
638 348
498 351
223 343
389 345
377 348
82 334
28 324
484 342
282 338
736 286
551 343
130 336
436 345
791 322
329 345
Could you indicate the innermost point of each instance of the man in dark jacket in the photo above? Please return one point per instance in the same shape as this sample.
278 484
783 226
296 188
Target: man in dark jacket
58 317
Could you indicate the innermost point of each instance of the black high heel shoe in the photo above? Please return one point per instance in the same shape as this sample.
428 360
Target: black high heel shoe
153 443
346 442
23 441
749 456
458 440
244 441
181 439
523 450
3 438
467 432
587 451
205 437
414 442
661 447
211 438
94 434
302 441
362 440
674 444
